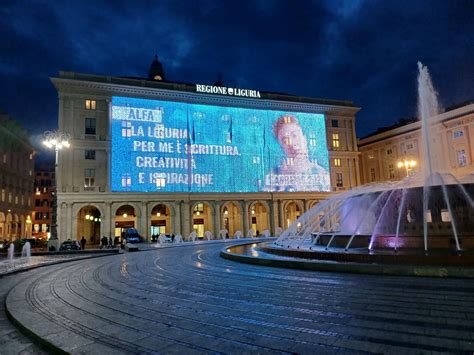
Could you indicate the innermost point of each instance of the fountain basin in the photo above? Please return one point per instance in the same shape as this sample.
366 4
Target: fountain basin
435 264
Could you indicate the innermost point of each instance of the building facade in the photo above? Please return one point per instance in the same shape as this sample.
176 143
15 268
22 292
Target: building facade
93 200
451 147
42 211
16 180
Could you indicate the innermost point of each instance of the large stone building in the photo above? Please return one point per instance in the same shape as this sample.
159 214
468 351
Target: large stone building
16 180
383 153
44 189
98 196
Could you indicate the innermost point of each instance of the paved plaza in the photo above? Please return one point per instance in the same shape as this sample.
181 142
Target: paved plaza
189 300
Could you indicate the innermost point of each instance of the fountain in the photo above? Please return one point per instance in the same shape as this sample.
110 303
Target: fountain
26 250
426 214
11 250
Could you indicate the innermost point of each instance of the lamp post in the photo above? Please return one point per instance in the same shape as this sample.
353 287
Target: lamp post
56 140
408 164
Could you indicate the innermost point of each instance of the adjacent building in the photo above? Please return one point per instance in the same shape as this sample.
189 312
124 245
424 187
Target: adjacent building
44 189
16 180
166 157
384 153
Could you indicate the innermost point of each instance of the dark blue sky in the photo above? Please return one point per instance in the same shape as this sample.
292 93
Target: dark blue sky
364 51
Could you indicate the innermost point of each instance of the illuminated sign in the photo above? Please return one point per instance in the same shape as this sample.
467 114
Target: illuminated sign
164 146
222 90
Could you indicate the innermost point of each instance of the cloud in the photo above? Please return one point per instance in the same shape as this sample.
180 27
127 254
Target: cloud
365 51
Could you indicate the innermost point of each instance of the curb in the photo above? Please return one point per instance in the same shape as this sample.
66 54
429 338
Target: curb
351 267
32 335
8 273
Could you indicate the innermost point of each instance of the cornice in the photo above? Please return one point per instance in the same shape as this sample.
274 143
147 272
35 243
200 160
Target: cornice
73 87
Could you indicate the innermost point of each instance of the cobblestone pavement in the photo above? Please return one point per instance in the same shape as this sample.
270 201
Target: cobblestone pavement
189 300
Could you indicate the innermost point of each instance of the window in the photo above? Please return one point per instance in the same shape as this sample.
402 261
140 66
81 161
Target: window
160 182
89 178
90 154
461 154
16 199
410 146
286 140
5 158
458 134
370 156
90 104
3 195
126 129
335 123
372 174
337 162
38 215
256 160
335 140
198 208
339 180
290 161
45 215
126 180
37 202
391 171
389 151
445 216
90 125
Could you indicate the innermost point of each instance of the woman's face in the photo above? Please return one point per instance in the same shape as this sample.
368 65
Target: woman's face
292 140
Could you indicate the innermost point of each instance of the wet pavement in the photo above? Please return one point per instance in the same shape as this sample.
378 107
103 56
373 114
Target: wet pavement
189 300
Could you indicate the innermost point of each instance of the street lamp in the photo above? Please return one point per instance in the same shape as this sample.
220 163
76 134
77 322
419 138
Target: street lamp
408 164
56 140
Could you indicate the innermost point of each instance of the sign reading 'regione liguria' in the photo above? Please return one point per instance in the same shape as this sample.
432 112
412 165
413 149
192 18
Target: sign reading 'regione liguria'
179 147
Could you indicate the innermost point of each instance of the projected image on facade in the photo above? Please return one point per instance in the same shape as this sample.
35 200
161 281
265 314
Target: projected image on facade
179 147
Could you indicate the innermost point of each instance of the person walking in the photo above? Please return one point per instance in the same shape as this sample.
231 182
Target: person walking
83 243
104 242
111 243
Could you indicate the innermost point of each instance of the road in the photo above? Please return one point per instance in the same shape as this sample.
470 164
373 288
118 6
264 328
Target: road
189 300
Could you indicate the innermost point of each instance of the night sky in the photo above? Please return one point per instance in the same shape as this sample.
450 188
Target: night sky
363 51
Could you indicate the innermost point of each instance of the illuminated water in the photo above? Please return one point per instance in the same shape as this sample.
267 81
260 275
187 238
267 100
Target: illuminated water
430 209
11 250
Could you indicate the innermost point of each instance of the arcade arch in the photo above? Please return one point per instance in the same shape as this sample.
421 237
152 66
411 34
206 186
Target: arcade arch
259 217
291 211
160 219
231 217
2 226
201 218
89 221
125 218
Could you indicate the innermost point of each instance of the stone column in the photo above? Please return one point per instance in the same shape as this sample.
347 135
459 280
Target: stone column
357 172
245 216
69 219
185 221
143 225
176 219
217 218
106 221
274 216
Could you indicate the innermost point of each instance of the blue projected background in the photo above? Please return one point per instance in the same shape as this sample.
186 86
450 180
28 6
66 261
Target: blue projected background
179 147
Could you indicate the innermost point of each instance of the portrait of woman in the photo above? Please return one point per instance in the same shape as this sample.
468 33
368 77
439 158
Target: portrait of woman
296 172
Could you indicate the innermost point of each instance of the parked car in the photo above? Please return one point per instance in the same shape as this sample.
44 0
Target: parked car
70 245
132 236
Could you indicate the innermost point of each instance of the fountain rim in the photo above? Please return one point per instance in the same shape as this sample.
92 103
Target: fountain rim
348 266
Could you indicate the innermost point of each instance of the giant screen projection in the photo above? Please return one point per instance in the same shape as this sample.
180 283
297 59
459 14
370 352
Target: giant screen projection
164 146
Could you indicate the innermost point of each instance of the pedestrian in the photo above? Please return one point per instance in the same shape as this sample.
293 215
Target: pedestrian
104 242
83 243
111 243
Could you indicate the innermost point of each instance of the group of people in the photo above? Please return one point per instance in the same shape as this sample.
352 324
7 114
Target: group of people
104 242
